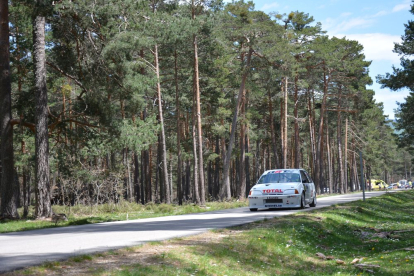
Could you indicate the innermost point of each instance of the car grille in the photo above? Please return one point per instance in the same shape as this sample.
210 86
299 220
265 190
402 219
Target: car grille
274 200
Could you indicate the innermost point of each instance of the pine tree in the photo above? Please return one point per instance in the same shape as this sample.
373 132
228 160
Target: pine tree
8 189
43 203
404 78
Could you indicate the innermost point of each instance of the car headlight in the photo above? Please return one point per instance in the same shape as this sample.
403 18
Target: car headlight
291 192
254 192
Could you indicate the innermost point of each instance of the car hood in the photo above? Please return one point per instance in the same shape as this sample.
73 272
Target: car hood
275 188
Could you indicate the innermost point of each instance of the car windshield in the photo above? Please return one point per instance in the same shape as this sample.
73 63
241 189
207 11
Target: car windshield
275 177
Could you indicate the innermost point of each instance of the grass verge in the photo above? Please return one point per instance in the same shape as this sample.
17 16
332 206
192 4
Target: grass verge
375 237
81 214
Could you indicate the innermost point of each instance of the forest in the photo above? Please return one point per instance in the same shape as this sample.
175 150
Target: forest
180 102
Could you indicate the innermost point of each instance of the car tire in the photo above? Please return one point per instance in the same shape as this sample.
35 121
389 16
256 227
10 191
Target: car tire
302 202
313 204
253 209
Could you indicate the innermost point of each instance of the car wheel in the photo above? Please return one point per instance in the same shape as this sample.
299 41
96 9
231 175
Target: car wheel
302 202
313 204
253 209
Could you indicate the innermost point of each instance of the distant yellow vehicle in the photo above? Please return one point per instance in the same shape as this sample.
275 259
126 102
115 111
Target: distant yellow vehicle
378 184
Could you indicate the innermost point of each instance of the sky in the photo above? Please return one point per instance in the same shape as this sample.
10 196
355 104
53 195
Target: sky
376 24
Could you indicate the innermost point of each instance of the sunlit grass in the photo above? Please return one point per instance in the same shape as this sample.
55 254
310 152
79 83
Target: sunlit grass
379 233
81 214
81 258
288 245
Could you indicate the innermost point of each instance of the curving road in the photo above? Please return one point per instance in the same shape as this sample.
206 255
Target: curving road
28 248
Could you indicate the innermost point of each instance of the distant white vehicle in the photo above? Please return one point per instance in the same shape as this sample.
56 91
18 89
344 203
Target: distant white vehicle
402 183
283 188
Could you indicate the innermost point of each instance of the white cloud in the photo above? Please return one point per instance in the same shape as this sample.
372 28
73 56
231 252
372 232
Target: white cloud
270 6
389 99
377 46
355 22
380 13
346 22
406 6
335 26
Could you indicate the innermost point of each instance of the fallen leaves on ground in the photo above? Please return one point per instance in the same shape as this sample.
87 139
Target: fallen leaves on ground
321 256
339 261
356 260
365 266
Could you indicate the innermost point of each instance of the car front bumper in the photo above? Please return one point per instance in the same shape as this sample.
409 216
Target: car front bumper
277 201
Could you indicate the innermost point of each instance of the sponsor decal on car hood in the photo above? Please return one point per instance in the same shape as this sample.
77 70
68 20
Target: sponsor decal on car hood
275 188
271 191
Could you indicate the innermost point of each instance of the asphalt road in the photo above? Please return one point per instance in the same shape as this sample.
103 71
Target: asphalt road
29 248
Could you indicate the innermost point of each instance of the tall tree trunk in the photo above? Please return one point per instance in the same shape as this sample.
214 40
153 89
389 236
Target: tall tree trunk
233 176
161 118
43 204
159 188
177 111
25 182
225 185
297 141
330 169
188 179
272 130
196 171
171 178
339 142
311 131
217 170
368 178
292 151
351 173
26 193
346 157
284 124
210 178
242 176
319 149
355 185
198 115
146 171
247 165
149 176
143 176
8 189
335 179
256 164
128 176
137 192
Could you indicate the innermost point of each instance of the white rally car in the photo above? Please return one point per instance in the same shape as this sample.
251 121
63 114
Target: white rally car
283 188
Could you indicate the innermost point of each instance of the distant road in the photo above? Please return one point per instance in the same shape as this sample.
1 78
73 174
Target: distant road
29 248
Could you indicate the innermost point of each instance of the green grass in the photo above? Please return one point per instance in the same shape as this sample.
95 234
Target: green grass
378 231
288 245
81 258
80 214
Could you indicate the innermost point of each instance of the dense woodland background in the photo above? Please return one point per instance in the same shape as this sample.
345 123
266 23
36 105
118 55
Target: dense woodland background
166 101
